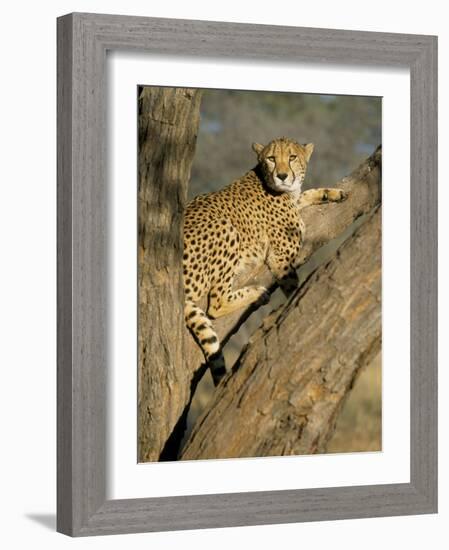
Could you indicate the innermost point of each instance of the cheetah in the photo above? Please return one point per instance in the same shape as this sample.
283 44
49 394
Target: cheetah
254 220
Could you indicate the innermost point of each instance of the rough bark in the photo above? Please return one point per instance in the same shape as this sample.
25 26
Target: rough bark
287 387
168 126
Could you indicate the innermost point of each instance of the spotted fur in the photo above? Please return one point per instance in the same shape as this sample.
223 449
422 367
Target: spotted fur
254 220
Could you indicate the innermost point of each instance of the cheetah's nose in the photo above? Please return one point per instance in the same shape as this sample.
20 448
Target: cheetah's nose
282 177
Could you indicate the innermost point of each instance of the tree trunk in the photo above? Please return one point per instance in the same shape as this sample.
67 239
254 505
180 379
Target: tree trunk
168 127
288 386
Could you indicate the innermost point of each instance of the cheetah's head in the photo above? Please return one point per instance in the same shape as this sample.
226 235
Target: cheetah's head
283 163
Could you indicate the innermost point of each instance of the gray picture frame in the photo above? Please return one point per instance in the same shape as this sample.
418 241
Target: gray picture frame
83 40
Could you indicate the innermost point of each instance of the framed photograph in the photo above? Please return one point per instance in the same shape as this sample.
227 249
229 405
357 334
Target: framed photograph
247 281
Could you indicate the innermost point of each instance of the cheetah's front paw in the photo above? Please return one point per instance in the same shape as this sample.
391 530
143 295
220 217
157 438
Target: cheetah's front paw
339 195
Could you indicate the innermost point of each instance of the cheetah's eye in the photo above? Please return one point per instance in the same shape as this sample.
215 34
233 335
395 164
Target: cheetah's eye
271 159
292 157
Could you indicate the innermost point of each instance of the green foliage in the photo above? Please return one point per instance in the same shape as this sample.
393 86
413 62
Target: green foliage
344 129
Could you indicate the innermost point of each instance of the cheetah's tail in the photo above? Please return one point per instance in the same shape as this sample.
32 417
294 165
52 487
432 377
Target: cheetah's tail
201 327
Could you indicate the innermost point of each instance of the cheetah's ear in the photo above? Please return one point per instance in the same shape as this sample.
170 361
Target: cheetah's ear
308 150
258 148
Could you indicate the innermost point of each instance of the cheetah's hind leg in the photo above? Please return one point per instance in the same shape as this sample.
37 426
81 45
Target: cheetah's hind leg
204 333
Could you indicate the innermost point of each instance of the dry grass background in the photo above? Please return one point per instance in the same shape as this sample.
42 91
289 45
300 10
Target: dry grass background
359 425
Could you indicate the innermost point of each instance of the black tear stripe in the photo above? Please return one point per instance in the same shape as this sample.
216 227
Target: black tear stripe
290 166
